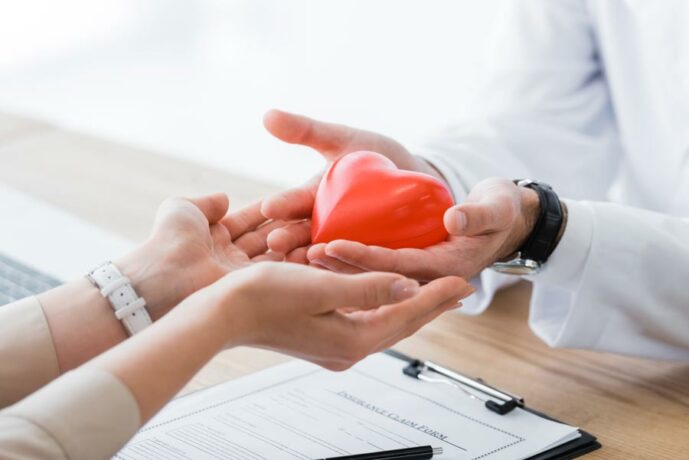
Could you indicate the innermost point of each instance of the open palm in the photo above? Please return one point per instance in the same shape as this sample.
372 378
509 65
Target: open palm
194 242
331 141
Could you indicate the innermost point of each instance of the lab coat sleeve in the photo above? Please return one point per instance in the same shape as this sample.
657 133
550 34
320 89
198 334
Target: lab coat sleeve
616 282
544 113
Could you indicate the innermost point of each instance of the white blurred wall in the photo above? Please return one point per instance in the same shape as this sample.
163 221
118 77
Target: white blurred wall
192 78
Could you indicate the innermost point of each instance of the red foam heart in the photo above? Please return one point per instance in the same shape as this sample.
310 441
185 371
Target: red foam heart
364 197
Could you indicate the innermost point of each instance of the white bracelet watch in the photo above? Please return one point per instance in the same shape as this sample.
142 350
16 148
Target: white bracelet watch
118 290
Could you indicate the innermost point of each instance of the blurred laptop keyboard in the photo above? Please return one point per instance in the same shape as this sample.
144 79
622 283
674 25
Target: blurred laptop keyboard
18 281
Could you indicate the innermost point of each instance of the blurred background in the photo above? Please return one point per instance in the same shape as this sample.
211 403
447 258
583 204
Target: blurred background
192 78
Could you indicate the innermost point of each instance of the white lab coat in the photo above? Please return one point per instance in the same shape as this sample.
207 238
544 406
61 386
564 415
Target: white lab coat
593 98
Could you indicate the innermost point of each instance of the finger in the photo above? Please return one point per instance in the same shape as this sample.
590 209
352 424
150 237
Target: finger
292 204
268 257
365 291
415 263
176 211
328 138
290 237
220 235
337 266
298 256
403 318
317 256
492 213
418 324
317 251
244 220
214 207
255 242
452 303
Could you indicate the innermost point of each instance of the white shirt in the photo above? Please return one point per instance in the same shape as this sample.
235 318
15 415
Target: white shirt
592 97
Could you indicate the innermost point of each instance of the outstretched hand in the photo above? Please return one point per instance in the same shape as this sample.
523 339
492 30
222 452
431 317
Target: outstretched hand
193 243
331 141
330 319
490 225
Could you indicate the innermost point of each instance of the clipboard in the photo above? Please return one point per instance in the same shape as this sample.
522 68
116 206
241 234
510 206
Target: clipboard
299 411
495 399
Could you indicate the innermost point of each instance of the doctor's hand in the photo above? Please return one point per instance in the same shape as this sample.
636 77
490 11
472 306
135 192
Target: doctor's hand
330 319
193 243
490 225
331 141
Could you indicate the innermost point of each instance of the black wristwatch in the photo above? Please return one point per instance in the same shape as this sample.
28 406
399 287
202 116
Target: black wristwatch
543 239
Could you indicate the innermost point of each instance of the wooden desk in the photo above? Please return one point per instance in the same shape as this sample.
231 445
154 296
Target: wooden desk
639 409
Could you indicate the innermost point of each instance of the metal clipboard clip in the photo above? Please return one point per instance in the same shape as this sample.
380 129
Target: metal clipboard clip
495 400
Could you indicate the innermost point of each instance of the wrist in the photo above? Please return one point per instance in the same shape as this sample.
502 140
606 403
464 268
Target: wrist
224 301
529 209
155 281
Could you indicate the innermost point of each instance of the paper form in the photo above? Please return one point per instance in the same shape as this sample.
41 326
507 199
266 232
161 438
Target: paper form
300 411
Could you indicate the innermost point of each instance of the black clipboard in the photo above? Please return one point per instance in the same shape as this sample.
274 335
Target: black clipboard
501 402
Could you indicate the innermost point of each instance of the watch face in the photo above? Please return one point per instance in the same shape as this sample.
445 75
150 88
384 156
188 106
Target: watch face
520 267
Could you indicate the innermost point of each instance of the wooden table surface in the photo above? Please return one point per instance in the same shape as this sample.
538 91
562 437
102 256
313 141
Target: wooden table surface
639 409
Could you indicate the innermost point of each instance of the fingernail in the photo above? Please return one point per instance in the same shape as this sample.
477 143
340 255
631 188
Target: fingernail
404 289
461 220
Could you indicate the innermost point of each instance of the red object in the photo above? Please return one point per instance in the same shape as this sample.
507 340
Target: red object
364 197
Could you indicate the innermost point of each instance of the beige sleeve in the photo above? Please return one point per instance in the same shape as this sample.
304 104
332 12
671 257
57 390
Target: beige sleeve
85 414
27 355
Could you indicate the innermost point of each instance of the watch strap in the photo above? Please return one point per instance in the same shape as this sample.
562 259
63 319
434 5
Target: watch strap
542 240
118 290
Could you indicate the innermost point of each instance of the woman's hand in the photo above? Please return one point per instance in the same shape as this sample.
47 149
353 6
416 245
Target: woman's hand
194 243
331 319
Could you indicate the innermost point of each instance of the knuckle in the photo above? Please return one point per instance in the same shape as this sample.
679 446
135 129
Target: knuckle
372 294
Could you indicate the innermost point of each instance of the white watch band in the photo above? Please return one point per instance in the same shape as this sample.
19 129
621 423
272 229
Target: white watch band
128 306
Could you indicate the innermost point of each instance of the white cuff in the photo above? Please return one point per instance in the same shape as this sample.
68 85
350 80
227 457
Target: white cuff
553 317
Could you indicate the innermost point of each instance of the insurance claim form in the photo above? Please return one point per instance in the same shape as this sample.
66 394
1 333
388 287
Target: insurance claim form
300 411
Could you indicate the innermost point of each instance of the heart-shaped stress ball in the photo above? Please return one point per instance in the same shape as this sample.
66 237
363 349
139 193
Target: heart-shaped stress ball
364 197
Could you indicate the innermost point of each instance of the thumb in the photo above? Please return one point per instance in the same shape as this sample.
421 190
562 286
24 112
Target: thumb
329 139
490 214
296 203
368 290
214 207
